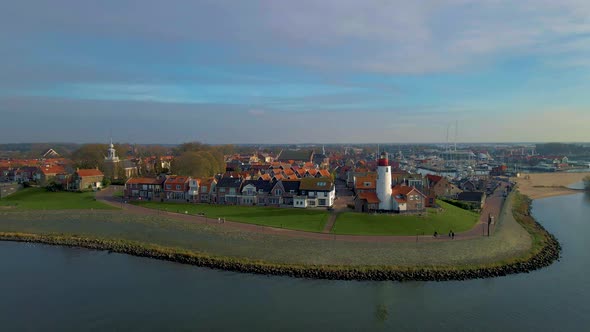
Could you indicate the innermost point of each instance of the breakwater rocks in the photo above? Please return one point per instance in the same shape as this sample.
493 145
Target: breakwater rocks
544 257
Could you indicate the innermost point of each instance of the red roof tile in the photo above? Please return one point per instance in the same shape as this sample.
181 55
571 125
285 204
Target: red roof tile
371 197
89 172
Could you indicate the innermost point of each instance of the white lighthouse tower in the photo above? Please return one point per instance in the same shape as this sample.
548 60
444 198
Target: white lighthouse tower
383 184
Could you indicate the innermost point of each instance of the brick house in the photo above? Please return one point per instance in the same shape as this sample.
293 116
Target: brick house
47 174
255 192
408 199
176 188
87 179
283 192
366 202
365 184
227 190
144 188
207 190
439 186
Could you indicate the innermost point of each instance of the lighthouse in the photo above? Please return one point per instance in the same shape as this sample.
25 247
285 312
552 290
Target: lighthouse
383 184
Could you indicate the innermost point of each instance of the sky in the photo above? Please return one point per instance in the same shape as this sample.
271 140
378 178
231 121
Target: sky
274 71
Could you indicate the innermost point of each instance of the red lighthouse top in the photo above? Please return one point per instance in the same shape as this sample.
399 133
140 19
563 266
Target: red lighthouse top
383 160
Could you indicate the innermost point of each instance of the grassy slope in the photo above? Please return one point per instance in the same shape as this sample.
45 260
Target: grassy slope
299 219
451 218
40 199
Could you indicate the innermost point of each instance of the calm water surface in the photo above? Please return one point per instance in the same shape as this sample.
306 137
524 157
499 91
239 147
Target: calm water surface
61 289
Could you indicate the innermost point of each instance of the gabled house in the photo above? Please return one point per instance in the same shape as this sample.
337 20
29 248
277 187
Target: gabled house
87 179
469 185
441 187
363 184
255 192
228 190
315 192
25 174
176 188
283 192
366 202
207 190
408 199
46 174
144 188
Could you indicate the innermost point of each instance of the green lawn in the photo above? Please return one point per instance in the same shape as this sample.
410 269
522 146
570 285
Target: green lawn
41 199
299 219
451 218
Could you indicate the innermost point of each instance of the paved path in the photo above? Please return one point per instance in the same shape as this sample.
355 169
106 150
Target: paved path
493 206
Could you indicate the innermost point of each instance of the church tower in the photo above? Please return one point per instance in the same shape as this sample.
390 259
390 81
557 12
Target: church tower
111 163
383 183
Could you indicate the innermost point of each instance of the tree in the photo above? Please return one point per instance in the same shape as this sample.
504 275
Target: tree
191 164
90 156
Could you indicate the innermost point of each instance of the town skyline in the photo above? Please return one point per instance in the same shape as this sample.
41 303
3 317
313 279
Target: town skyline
328 72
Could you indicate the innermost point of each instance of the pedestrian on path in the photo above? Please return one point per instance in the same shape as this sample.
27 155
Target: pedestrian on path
452 235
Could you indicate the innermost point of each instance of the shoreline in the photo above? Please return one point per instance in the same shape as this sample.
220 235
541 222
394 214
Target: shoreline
543 254
545 185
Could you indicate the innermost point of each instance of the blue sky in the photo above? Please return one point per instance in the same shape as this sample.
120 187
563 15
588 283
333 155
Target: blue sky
294 71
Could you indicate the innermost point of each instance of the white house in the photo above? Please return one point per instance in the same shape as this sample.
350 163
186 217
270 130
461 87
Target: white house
317 192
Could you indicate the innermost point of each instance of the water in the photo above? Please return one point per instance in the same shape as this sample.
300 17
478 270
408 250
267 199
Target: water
55 288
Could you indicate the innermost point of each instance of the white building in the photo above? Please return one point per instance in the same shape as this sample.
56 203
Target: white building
315 192
383 183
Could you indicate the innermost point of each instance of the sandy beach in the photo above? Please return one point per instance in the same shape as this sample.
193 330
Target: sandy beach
542 185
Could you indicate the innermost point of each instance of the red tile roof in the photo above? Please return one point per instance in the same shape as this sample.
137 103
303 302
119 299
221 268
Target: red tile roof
360 182
52 169
433 178
89 172
176 180
371 197
144 181
404 190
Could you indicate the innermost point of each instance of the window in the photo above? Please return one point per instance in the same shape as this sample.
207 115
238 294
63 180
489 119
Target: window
279 192
168 186
221 190
386 169
177 187
322 202
232 191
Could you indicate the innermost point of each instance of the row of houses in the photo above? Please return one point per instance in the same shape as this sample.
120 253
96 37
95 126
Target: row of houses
46 175
229 190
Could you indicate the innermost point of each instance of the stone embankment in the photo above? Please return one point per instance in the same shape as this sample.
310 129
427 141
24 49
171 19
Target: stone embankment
548 253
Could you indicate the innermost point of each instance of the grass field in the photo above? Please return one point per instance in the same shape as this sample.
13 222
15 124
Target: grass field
451 218
298 219
41 199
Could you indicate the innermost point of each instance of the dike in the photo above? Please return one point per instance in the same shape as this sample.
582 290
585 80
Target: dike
546 250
